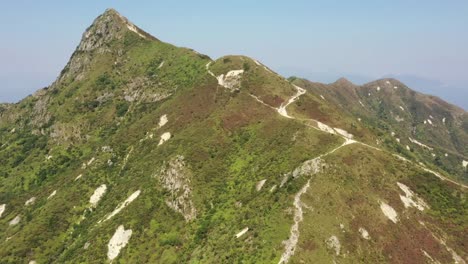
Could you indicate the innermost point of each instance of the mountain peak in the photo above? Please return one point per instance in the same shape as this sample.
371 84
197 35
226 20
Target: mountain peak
107 27
111 11
343 80
107 34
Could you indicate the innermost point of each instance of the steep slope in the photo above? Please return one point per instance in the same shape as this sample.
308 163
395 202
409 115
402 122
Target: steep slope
143 152
420 127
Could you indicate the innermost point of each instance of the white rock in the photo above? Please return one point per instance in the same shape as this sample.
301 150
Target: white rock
97 195
400 157
106 149
446 155
402 109
321 96
325 128
134 29
231 80
15 220
389 212
164 137
30 201
162 121
398 140
334 243
429 257
364 233
2 209
410 199
456 258
465 163
378 88
160 65
260 185
408 148
308 167
420 144
242 232
118 241
344 133
273 188
429 121
90 161
443 120
119 208
52 194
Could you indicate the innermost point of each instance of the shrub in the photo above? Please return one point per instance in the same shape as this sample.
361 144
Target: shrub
121 109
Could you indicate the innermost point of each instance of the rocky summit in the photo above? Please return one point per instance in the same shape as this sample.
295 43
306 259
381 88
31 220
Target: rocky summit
143 152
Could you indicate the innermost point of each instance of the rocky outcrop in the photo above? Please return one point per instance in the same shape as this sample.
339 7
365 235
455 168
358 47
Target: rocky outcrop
144 90
175 177
108 28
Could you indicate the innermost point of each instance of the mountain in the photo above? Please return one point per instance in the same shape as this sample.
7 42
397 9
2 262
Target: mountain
420 127
143 152
435 87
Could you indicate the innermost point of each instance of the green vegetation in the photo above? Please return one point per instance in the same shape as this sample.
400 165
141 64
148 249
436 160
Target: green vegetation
100 124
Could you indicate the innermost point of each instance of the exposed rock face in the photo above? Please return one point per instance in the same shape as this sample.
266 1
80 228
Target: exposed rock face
66 132
103 30
137 90
389 212
410 199
333 243
118 241
97 195
312 166
41 115
2 209
106 29
15 220
175 177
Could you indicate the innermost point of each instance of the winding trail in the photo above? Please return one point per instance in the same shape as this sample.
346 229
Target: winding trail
327 129
291 243
282 109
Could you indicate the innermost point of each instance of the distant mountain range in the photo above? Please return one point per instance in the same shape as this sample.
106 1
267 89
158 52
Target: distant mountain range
454 93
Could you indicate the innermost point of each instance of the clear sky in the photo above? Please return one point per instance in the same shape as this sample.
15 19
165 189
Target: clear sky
322 40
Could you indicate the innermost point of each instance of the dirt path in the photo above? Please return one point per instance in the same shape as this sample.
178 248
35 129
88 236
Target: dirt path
282 109
291 243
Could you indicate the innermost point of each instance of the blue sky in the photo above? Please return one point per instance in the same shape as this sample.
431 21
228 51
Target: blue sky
321 40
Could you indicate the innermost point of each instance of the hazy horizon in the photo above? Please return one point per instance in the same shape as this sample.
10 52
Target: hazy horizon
423 45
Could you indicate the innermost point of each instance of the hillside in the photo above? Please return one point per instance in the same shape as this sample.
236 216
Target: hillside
419 127
143 152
